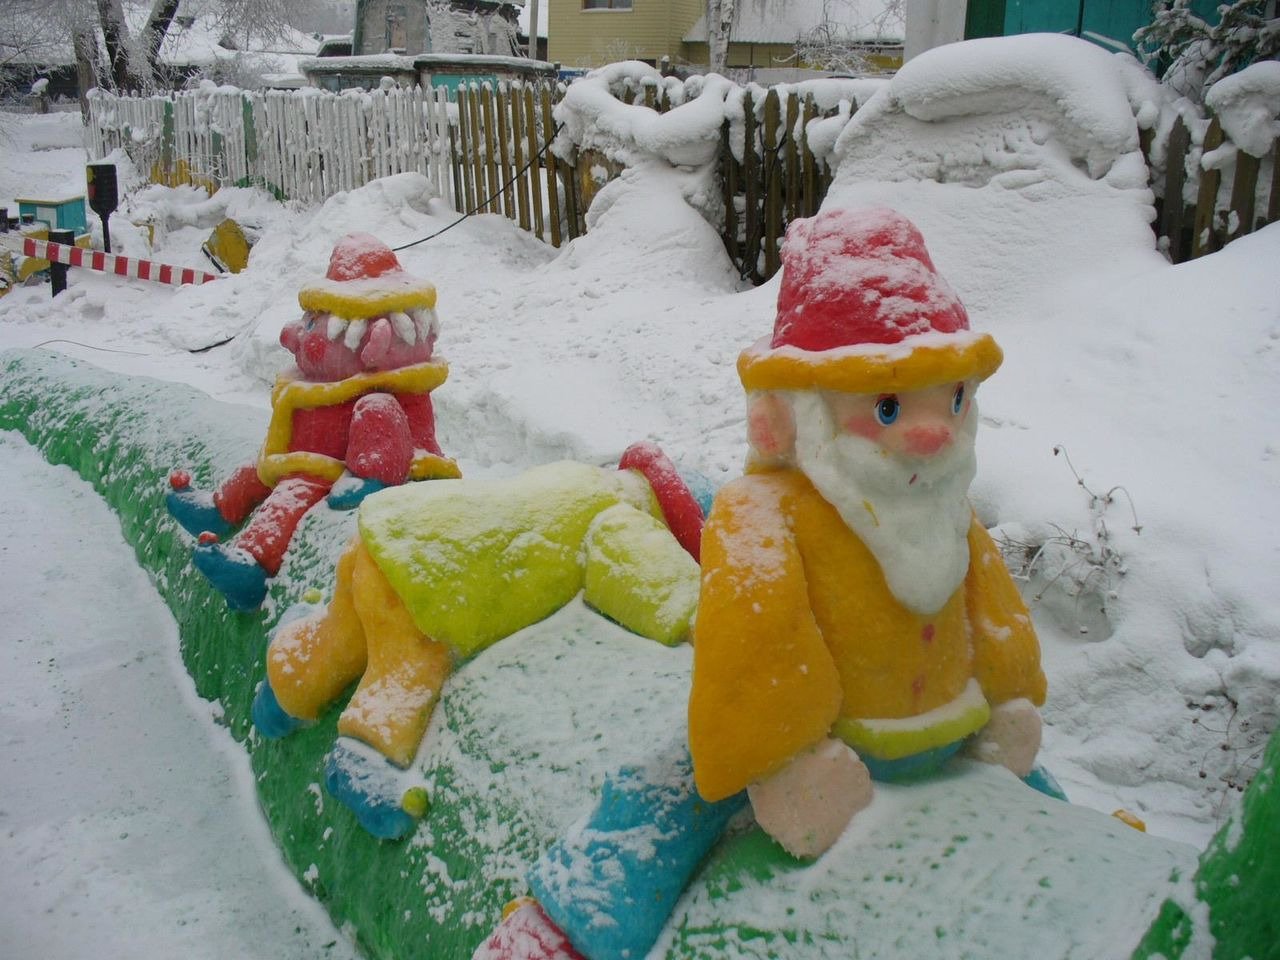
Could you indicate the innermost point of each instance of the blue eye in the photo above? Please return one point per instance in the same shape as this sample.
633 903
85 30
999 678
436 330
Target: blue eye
887 409
957 402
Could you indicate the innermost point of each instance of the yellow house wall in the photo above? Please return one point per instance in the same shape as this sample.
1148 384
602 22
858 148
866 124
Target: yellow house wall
650 30
774 55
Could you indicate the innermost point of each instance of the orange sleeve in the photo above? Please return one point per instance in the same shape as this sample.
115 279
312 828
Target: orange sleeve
764 684
1006 652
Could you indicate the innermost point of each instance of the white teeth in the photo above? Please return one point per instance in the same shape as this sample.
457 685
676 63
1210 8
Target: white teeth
336 325
355 333
426 321
404 327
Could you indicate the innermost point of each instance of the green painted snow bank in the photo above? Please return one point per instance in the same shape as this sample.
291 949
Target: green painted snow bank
1238 883
970 863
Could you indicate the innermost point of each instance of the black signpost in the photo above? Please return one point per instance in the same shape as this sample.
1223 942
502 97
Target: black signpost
58 271
104 196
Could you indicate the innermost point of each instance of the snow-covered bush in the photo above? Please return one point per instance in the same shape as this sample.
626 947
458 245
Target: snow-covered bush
1196 54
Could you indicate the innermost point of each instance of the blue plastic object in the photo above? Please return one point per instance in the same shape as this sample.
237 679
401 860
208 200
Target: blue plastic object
702 488
234 573
370 788
350 490
630 862
908 768
195 511
1041 779
269 717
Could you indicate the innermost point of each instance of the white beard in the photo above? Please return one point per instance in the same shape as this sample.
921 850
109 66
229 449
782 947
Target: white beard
917 531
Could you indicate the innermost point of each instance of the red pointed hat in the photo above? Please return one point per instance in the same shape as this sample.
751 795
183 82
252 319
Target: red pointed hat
862 309
365 280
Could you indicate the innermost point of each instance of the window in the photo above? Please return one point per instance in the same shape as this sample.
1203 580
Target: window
606 4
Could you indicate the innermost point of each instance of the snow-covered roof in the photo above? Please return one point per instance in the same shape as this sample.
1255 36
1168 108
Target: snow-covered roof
771 21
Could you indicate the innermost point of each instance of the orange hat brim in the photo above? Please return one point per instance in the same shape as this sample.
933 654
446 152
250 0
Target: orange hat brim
926 360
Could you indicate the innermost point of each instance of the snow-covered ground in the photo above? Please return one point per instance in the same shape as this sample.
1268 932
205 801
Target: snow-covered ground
128 820
1127 455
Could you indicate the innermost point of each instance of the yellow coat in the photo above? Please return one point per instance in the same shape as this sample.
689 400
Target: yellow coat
798 638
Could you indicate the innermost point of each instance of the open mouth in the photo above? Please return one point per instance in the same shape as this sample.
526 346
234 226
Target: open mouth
411 327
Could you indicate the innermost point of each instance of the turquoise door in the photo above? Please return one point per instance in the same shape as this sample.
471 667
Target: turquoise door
1109 23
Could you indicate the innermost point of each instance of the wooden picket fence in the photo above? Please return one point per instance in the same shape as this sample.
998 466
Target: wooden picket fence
489 151
1194 229
778 179
306 145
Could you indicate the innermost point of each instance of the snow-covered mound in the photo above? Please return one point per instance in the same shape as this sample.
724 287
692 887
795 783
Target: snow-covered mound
990 865
1032 200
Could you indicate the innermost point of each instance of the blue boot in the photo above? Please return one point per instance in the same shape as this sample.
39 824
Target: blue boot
368 785
234 572
1041 779
270 718
349 491
193 509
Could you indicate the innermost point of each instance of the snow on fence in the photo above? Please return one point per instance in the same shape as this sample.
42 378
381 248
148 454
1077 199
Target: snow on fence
490 152
302 145
487 153
1212 211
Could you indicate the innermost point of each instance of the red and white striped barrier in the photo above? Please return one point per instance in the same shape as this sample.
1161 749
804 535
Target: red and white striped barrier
131 267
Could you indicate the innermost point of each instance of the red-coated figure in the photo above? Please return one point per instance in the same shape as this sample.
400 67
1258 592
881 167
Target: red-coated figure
354 416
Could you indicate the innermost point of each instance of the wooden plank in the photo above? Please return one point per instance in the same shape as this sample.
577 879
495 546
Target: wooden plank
477 160
729 180
1273 201
809 163
490 148
1243 195
521 186
462 152
501 108
552 165
751 187
773 182
573 195
536 164
1205 239
1173 216
792 155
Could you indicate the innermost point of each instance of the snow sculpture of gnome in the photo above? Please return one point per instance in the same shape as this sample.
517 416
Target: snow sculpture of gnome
855 621
439 572
354 416
887 633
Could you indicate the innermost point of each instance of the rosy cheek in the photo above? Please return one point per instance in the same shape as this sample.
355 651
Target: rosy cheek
867 427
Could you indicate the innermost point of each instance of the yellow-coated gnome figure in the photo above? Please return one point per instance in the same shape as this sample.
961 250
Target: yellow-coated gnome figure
855 621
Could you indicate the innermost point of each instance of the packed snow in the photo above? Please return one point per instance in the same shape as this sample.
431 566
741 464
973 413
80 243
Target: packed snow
1127 457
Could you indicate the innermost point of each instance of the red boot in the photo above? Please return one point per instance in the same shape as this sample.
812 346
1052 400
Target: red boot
526 933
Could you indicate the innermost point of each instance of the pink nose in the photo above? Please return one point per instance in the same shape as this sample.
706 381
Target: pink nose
925 441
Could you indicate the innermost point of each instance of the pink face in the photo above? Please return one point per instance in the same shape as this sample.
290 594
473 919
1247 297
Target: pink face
380 347
915 424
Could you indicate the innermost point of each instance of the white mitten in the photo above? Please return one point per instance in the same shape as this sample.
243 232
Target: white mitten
806 805
1011 737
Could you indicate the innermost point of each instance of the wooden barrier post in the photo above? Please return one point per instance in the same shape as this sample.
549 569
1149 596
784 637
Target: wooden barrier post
772 184
58 270
1173 219
531 125
1205 239
553 168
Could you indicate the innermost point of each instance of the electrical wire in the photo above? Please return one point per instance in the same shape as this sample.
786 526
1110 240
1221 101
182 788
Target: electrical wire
490 199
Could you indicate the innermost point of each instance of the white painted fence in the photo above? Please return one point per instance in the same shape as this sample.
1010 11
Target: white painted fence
303 145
